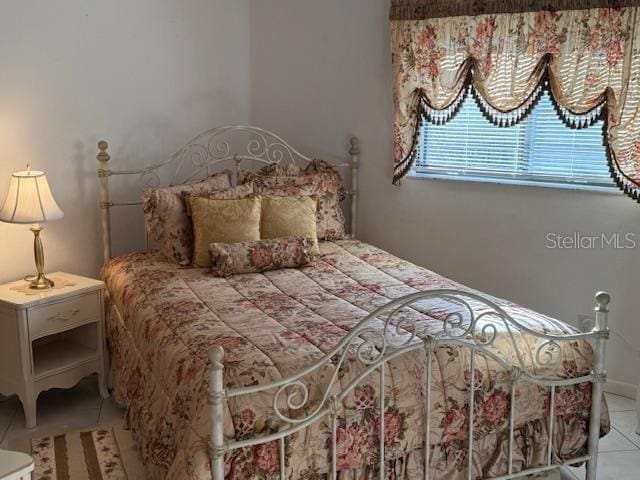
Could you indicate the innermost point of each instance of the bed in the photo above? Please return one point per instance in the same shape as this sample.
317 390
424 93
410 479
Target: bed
344 368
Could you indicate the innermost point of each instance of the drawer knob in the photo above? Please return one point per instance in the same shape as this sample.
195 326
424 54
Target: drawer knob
60 317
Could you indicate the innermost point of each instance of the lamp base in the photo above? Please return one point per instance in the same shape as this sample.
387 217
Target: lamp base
39 282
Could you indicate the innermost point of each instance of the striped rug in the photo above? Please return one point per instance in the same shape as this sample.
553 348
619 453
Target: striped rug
104 453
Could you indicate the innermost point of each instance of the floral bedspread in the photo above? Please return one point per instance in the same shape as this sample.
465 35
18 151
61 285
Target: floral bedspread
272 324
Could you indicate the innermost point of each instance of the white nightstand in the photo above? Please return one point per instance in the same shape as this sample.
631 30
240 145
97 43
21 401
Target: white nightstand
15 465
51 338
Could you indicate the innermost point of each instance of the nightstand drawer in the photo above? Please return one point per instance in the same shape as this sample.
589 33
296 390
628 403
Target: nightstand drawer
59 316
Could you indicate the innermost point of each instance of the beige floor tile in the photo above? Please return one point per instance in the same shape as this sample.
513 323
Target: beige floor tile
8 408
614 441
567 474
579 472
625 423
551 475
58 410
615 466
84 395
110 412
50 421
74 407
617 403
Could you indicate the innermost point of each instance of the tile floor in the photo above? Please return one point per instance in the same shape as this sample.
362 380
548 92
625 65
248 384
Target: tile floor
58 410
82 407
619 456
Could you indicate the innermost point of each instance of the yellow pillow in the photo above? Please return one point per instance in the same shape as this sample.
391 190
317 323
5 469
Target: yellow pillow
290 217
222 221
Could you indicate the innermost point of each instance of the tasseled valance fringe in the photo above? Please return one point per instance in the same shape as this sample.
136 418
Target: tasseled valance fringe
500 118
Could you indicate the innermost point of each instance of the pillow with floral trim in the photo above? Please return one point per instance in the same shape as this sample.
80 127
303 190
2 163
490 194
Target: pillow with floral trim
260 255
241 191
319 179
166 218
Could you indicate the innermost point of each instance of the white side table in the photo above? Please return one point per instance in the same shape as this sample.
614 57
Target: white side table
15 465
50 338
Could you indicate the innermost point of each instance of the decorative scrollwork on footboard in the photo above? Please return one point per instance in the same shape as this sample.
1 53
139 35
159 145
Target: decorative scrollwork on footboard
477 326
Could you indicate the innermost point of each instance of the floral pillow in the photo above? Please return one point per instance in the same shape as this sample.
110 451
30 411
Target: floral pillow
241 191
259 255
166 218
319 179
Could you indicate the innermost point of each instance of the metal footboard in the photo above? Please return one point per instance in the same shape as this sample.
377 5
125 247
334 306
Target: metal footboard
384 335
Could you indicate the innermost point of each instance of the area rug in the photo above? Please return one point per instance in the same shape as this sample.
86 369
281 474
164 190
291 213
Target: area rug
102 453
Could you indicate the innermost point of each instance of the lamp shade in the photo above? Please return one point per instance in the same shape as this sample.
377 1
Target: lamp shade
29 199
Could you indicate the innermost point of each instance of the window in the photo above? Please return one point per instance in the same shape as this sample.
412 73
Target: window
541 149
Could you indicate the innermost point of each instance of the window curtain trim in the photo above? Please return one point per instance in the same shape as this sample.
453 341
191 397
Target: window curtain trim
423 9
507 61
621 179
425 111
506 118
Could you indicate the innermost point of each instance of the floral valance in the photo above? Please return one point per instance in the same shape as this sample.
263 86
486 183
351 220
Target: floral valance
422 9
588 59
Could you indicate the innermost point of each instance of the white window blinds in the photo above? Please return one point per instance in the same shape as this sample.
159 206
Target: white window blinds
540 148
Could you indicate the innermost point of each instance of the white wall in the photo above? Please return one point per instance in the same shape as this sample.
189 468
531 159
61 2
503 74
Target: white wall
146 75
320 71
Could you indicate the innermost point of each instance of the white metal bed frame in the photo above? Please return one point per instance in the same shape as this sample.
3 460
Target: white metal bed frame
475 327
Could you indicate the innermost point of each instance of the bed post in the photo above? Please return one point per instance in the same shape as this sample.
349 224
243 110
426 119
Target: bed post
216 400
105 202
354 152
600 374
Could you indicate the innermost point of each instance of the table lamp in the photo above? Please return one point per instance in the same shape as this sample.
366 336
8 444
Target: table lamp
30 201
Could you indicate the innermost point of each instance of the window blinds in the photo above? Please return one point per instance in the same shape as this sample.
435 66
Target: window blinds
540 148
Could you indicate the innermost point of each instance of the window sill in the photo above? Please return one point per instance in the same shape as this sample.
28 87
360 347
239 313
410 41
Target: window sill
507 181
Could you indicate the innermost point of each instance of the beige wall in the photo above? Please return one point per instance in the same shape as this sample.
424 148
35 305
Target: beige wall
321 71
145 74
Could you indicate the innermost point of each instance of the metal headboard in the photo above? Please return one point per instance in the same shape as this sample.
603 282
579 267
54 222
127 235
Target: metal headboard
232 144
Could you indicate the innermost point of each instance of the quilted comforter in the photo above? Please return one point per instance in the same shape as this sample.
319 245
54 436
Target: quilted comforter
165 318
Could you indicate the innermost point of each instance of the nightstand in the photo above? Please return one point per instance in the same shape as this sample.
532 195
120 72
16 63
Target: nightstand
15 465
50 338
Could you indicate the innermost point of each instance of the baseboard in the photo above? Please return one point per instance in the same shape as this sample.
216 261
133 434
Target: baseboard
624 389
